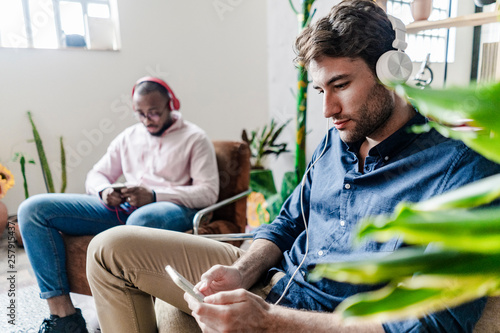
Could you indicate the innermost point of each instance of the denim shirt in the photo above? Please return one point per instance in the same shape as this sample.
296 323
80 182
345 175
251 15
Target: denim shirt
404 167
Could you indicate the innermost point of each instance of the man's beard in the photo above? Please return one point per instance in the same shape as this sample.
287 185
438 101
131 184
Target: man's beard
163 128
371 116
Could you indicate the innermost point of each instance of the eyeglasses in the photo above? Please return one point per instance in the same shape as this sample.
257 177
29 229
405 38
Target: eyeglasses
151 116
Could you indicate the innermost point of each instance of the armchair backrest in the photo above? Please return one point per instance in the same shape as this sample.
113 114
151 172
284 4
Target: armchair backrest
233 161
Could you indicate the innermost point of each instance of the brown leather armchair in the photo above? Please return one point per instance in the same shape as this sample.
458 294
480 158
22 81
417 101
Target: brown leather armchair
228 216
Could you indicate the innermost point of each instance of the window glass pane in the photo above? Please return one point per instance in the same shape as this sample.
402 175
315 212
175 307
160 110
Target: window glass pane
72 18
429 41
12 27
42 24
98 10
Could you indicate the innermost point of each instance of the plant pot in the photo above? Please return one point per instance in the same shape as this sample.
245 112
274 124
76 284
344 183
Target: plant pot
421 9
4 216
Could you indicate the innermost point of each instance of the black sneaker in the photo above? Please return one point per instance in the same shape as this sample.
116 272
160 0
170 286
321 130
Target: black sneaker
70 324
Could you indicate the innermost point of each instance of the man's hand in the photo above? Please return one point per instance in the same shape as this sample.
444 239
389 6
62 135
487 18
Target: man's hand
137 196
231 311
219 278
111 197
241 311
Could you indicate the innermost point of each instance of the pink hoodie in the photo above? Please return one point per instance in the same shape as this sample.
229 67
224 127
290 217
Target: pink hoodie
180 166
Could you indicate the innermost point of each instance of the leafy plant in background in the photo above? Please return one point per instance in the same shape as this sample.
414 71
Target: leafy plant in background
47 174
273 200
463 262
264 207
263 143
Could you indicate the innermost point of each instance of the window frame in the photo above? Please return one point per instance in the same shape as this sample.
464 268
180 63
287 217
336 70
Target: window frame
57 22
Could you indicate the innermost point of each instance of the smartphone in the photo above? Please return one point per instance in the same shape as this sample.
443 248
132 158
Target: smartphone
183 283
118 186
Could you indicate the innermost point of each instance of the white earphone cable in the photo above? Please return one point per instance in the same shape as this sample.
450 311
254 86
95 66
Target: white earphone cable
304 216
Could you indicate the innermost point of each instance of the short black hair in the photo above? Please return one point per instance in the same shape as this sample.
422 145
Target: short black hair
147 87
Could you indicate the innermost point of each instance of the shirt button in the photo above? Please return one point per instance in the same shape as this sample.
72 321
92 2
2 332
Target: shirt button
386 158
342 223
347 186
320 253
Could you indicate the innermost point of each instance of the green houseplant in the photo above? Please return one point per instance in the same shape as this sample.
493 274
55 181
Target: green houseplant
463 262
262 143
274 200
47 174
45 168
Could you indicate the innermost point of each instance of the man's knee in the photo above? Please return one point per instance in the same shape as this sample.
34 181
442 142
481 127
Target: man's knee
162 215
33 206
108 241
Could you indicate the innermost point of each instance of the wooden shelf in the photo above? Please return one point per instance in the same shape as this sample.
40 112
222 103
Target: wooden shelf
460 21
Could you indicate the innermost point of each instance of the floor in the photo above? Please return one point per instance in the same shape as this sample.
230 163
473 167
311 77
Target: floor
30 310
14 262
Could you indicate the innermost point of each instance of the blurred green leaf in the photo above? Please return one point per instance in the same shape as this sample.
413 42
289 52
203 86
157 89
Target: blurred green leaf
403 301
468 113
474 105
476 231
405 263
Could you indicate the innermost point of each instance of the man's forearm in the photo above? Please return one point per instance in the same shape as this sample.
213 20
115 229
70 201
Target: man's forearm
281 319
260 257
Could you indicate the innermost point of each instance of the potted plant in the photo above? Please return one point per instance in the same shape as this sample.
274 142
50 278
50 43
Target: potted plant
465 264
263 143
46 172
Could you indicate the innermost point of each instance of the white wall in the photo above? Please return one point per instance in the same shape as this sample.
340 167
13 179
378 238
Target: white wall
282 31
215 60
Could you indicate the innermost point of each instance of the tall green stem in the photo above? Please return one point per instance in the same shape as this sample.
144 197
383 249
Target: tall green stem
304 18
22 162
47 175
64 175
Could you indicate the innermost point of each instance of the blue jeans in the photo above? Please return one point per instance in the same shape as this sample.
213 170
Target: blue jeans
42 218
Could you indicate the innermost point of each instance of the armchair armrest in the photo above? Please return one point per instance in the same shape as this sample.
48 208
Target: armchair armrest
197 218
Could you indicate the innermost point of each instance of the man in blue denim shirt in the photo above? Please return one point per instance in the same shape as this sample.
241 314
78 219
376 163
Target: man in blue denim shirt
366 165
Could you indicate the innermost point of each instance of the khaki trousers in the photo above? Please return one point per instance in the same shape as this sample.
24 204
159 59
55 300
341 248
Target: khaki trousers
126 267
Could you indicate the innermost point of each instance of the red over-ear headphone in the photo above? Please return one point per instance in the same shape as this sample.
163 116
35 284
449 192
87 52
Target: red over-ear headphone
174 103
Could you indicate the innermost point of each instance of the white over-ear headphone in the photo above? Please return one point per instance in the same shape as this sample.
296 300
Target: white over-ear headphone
395 66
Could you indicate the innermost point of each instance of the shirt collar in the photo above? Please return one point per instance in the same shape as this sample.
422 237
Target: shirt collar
399 140
395 142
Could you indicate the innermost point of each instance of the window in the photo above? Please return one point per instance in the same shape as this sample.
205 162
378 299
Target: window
429 41
55 24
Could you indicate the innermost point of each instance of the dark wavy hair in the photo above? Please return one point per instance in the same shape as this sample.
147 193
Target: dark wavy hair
353 28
